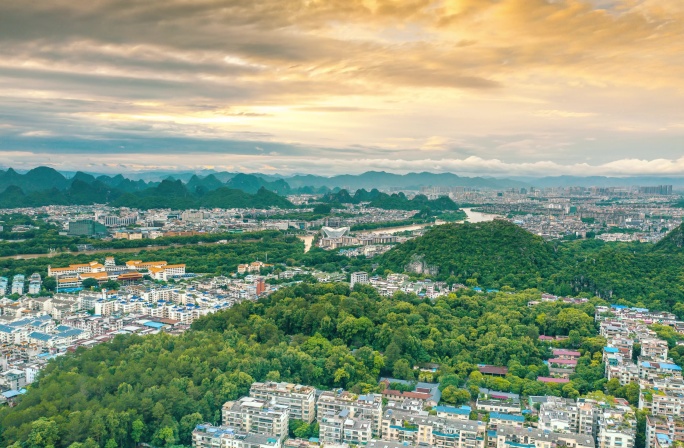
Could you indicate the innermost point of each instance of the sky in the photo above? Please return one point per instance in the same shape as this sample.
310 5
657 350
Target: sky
486 87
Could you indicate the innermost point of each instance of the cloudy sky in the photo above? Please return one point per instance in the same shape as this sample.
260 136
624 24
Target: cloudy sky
494 87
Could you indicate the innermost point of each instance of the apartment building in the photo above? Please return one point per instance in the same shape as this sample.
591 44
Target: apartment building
460 413
414 429
510 436
299 399
344 427
625 373
650 371
256 416
18 284
559 415
617 428
509 406
358 277
655 349
496 419
166 272
587 417
367 407
208 436
658 426
662 401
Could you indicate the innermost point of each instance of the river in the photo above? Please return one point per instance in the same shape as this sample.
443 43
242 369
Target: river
479 217
472 217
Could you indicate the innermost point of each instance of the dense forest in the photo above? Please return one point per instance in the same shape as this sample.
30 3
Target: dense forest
500 254
157 388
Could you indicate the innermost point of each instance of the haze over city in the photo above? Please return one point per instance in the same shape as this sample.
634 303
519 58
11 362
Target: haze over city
502 88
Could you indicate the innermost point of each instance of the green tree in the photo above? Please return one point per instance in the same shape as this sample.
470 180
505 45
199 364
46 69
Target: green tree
455 396
137 429
90 283
44 434
111 285
402 369
187 425
165 435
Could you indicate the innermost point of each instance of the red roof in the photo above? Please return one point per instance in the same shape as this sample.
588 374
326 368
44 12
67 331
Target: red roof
412 395
570 362
546 379
546 338
493 370
563 352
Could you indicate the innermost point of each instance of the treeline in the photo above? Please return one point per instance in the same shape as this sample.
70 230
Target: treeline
155 389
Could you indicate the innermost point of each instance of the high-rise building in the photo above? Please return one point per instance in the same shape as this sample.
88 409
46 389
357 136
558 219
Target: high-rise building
658 189
86 227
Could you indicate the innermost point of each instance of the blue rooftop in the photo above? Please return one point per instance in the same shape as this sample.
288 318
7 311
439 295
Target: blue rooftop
156 325
509 417
13 393
452 410
40 336
610 349
69 333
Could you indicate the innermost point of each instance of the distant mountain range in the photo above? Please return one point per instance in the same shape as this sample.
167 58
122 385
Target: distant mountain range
45 186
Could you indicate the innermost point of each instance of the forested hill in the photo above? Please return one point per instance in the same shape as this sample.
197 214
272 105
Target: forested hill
491 253
500 254
155 389
396 201
673 241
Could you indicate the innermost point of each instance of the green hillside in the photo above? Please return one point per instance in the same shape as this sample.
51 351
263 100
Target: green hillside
495 254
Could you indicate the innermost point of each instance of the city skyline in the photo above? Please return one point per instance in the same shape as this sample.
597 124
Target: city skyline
498 88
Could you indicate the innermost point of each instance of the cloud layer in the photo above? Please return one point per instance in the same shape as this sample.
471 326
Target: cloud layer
486 86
